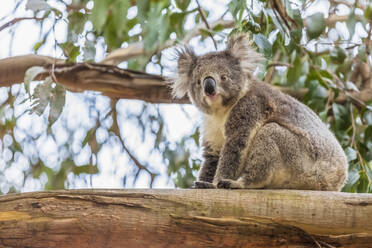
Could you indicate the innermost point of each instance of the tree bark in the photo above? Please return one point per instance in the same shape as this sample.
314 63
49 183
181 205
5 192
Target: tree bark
185 218
119 83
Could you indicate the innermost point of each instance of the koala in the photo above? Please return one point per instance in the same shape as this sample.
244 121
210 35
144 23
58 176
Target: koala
254 136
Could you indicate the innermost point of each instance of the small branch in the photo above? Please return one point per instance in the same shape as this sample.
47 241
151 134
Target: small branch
116 130
18 19
274 64
278 7
271 70
353 143
201 12
332 19
367 42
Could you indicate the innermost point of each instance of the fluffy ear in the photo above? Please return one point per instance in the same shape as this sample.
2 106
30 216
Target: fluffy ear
240 46
186 59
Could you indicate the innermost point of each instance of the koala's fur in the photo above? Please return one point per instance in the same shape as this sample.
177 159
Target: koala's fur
255 136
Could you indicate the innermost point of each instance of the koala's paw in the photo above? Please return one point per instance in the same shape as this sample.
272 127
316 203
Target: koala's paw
228 184
203 185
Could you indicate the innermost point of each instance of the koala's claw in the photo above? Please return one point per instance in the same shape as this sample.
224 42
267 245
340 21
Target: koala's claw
203 185
228 184
224 184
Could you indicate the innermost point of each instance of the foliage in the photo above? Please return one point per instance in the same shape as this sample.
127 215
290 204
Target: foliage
305 49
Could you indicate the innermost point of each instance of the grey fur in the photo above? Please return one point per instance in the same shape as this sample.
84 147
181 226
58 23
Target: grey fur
255 136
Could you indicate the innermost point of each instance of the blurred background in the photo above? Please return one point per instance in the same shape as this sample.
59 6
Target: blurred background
317 51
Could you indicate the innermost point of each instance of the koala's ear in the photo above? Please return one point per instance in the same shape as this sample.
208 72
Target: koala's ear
240 46
186 60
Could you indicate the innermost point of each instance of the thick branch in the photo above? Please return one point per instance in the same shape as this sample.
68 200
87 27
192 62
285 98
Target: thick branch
185 218
109 80
114 82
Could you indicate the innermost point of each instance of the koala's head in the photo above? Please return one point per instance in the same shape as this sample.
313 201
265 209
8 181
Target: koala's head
216 79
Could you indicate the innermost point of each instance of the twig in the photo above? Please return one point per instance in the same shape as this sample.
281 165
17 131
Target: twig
206 22
367 41
277 63
116 130
278 7
326 244
353 143
271 70
18 19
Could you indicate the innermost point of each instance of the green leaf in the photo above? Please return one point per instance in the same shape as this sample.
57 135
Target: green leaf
88 169
350 154
182 4
351 23
368 168
263 44
237 7
367 116
70 50
76 22
57 102
368 137
30 75
363 183
37 5
338 55
176 21
294 73
353 177
89 50
368 12
41 96
341 116
143 9
119 15
99 14
315 25
196 137
38 45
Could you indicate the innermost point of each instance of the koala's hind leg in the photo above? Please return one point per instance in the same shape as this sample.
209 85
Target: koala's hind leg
259 160
263 161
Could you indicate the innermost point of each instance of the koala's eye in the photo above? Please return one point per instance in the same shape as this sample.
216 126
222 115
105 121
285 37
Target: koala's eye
198 82
223 77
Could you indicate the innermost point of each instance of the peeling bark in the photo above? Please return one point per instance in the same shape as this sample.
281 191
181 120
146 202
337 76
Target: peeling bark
185 218
113 81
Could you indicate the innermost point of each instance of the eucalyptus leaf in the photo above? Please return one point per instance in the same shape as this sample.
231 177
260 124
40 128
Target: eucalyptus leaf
30 75
37 5
99 14
57 102
315 25
350 154
263 44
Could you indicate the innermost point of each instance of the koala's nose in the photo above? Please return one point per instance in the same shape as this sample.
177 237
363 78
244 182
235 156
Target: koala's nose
209 85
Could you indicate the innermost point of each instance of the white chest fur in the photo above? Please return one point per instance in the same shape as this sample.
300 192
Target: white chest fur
214 130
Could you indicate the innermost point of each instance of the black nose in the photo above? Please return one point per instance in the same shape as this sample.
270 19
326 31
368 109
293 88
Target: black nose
209 86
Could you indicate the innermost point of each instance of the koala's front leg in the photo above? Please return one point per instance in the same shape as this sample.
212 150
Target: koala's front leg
244 121
208 169
230 165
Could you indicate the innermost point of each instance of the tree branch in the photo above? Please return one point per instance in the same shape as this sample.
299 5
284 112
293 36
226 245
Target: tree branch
18 19
186 218
201 12
140 166
115 82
